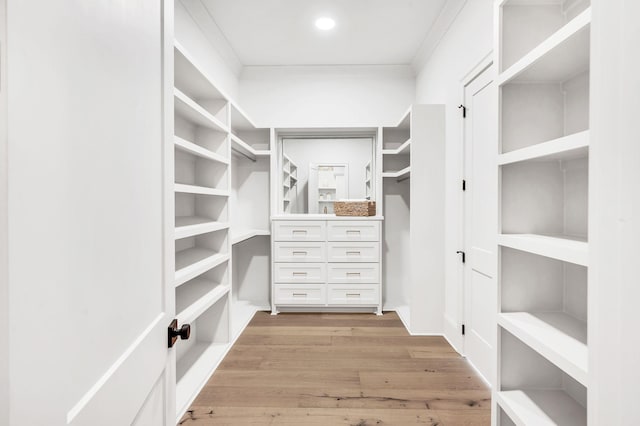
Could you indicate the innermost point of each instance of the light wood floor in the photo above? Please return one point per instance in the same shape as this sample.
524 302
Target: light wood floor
340 369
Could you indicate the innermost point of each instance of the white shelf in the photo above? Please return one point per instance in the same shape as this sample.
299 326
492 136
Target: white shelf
239 236
563 55
194 369
403 149
194 261
242 313
188 226
541 408
191 111
556 336
561 248
400 175
201 190
196 297
247 150
565 148
191 78
194 149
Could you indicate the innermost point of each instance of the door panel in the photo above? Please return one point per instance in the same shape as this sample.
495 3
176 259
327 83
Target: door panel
89 293
480 222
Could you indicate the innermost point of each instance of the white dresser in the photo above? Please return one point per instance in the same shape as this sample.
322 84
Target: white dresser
323 262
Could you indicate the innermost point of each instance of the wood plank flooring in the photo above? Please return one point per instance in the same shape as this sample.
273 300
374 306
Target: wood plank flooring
340 369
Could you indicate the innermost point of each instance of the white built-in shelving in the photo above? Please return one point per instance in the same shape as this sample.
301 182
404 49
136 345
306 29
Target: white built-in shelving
543 59
221 199
396 149
289 184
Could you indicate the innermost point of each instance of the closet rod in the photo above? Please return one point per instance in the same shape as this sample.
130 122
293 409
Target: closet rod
244 154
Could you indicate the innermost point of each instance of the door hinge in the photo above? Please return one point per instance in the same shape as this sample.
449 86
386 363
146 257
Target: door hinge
464 185
463 329
464 256
464 110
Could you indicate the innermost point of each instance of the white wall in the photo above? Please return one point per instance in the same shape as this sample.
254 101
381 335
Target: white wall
4 249
324 96
192 38
468 40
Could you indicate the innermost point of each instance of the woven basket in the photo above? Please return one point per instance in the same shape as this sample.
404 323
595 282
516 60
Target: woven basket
354 208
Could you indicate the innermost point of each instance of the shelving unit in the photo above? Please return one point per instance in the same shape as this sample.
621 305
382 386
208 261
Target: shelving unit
289 184
368 181
396 149
543 58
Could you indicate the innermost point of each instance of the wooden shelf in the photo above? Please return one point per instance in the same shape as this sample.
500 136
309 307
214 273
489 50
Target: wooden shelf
194 261
561 248
191 78
403 149
562 56
201 190
565 148
194 149
243 235
191 111
197 296
556 336
247 150
188 226
400 175
541 408
194 369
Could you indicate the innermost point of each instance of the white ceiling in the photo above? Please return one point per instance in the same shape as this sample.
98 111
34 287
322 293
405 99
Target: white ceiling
282 32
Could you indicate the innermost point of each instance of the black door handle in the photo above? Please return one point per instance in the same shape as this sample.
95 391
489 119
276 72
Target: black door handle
464 256
174 332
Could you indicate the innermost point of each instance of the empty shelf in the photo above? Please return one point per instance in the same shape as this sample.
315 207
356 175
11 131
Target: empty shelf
245 234
188 226
191 78
403 149
195 297
565 249
560 57
400 175
201 190
247 150
191 111
194 261
194 149
556 336
565 148
541 408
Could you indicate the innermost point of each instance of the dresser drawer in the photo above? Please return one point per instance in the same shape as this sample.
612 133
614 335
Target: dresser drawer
300 273
353 230
289 294
299 230
300 252
353 251
354 273
347 294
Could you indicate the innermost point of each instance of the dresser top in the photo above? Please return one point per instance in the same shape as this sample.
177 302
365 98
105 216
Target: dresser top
323 217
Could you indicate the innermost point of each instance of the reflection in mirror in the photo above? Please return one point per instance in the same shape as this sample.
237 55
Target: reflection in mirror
318 171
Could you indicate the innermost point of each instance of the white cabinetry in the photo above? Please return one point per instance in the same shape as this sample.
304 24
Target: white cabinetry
543 58
326 262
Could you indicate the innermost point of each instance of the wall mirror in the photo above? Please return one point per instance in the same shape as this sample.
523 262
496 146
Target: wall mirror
318 170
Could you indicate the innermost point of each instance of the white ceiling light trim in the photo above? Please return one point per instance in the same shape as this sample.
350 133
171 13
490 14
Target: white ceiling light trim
325 23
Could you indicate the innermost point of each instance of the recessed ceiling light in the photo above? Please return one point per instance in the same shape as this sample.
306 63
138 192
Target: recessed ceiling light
325 24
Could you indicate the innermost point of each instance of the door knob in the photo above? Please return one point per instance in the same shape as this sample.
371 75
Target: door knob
183 332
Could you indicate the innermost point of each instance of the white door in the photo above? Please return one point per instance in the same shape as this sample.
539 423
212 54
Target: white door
89 274
480 221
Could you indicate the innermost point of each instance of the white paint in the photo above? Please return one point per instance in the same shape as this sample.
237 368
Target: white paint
613 210
86 243
439 81
337 96
4 224
280 32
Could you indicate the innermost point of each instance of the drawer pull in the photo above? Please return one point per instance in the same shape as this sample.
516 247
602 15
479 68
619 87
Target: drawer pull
353 274
299 294
299 232
299 274
300 253
353 253
353 294
353 232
